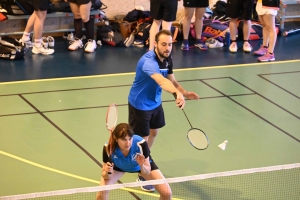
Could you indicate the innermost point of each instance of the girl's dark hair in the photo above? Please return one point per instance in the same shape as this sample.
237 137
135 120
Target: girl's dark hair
121 131
162 32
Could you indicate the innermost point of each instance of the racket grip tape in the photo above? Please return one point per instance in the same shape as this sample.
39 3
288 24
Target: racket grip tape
175 95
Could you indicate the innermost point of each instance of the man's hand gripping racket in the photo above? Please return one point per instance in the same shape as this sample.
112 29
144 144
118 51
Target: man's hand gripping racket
196 137
111 121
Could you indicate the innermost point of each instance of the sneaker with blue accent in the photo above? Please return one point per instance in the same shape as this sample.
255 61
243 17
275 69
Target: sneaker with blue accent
185 46
147 188
201 46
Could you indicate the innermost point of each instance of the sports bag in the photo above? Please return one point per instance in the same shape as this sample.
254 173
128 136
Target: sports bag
11 48
110 34
211 29
256 31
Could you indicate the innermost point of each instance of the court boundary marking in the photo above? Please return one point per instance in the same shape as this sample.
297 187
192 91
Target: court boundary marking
201 80
270 74
132 73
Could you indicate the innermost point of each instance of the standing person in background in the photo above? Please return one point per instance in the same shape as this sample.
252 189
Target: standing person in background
234 10
35 23
163 13
189 7
267 11
154 73
81 11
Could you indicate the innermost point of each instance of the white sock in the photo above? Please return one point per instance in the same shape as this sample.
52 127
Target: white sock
38 42
26 36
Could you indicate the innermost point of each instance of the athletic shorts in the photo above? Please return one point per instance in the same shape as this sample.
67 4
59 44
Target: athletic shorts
240 8
152 165
195 3
79 2
263 11
163 9
142 121
40 5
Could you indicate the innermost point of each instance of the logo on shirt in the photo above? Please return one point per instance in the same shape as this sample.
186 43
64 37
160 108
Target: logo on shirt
133 157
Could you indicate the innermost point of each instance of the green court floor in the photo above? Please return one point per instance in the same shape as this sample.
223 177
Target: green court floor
52 131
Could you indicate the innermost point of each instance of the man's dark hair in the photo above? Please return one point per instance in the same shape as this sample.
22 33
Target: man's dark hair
162 32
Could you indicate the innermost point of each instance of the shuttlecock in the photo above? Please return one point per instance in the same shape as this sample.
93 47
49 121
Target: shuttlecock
223 145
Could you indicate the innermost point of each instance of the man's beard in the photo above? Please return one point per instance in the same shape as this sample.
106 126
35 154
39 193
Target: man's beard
161 54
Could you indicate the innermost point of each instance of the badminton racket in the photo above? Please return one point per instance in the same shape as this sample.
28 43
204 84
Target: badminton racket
111 121
196 137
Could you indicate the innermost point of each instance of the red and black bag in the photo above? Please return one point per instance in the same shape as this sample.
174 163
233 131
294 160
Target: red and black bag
256 32
3 14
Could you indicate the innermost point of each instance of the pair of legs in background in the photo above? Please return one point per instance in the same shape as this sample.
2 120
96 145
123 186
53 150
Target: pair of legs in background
266 17
199 7
163 13
35 23
244 10
81 11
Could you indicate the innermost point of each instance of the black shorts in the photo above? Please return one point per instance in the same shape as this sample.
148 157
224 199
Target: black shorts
240 8
40 5
79 2
163 9
152 165
195 3
142 121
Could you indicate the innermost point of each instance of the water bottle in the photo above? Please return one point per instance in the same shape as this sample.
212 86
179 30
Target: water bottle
227 38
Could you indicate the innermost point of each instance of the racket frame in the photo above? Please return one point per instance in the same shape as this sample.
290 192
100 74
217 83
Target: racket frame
112 128
200 131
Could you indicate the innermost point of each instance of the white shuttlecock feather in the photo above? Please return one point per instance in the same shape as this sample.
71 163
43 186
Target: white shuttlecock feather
223 145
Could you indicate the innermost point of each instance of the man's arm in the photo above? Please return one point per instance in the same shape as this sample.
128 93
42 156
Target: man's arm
168 86
188 95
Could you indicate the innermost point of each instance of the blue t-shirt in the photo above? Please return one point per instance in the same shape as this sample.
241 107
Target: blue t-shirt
145 93
128 163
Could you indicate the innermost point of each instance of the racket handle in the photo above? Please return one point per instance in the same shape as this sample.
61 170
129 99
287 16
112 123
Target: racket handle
175 95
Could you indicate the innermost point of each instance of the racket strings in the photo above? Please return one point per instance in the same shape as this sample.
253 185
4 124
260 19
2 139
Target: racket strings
197 138
111 117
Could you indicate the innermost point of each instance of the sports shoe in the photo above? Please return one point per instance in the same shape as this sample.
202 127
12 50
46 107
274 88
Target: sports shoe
267 57
27 43
90 46
147 188
247 47
75 44
42 50
70 36
233 47
45 42
185 47
201 46
50 41
215 44
129 40
138 43
261 51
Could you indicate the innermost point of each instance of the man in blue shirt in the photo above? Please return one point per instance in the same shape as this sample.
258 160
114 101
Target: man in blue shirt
154 73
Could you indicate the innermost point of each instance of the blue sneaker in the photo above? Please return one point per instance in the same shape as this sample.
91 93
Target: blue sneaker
185 47
201 46
147 188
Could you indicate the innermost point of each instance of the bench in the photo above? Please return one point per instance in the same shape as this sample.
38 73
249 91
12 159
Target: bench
281 14
94 14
